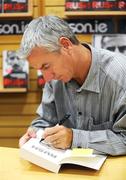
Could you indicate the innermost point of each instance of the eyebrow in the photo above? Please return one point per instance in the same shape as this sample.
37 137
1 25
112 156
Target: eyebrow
42 66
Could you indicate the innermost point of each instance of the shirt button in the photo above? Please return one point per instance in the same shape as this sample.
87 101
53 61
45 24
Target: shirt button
80 113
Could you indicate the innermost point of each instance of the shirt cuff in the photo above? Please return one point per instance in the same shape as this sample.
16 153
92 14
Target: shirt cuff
80 139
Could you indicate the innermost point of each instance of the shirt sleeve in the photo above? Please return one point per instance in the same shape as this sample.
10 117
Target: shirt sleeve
46 110
110 141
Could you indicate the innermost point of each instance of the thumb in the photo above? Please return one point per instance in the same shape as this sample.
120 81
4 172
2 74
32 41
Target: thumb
23 139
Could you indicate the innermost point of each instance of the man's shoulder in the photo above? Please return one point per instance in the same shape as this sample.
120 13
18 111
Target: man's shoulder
112 60
109 61
113 65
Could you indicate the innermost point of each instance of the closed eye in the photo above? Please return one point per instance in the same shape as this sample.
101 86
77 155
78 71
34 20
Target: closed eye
45 66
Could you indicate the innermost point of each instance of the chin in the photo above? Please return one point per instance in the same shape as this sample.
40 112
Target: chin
66 80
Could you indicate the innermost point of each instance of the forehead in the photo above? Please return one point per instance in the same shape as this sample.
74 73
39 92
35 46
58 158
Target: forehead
40 56
120 40
38 51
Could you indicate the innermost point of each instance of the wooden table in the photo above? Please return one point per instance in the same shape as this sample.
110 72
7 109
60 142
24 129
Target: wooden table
12 167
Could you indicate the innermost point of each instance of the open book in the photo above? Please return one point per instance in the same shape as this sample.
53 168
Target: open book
51 158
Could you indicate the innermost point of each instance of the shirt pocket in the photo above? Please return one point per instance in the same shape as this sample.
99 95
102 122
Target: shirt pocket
101 126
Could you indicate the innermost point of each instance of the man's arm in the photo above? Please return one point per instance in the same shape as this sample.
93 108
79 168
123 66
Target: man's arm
110 141
46 110
103 141
47 116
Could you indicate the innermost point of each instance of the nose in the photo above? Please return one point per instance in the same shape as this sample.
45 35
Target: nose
117 49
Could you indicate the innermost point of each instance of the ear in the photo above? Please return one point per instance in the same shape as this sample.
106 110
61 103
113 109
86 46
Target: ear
65 42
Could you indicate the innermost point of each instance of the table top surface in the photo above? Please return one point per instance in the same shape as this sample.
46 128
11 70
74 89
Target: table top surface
12 166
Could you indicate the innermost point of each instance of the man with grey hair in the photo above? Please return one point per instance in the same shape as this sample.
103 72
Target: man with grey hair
85 86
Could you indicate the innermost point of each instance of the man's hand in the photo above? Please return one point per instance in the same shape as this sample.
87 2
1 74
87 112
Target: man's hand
31 133
59 136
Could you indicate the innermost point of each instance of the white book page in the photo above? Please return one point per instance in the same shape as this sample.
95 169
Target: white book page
43 150
91 161
50 155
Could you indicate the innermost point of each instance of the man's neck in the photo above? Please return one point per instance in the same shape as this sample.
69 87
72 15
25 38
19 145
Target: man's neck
83 64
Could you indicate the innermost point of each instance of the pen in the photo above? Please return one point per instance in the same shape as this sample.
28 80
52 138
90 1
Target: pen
64 119
66 116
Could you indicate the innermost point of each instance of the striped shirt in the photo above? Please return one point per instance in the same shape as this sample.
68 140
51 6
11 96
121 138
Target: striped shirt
97 108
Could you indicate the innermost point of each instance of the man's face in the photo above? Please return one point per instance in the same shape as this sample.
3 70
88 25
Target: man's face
14 61
54 65
116 44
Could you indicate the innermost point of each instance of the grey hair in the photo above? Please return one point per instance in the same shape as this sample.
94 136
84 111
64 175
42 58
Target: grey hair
45 31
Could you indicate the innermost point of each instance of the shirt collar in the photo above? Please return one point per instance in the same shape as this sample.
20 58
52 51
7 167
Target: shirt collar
92 81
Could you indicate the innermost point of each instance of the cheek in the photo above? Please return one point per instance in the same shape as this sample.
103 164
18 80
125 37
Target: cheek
68 70
48 76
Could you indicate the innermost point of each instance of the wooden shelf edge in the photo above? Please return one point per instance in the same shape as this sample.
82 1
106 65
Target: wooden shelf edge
13 90
93 13
10 15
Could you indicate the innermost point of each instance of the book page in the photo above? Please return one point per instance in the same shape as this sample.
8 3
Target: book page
44 155
84 159
43 150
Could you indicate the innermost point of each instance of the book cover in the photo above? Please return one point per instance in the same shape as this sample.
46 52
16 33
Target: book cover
15 71
112 42
50 158
40 79
15 6
0 6
95 5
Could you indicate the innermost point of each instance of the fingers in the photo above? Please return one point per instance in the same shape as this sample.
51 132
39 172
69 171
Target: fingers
51 130
51 139
60 144
52 134
23 139
58 137
29 134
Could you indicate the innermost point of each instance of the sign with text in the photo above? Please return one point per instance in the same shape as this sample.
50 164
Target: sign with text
10 27
95 5
90 26
13 6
